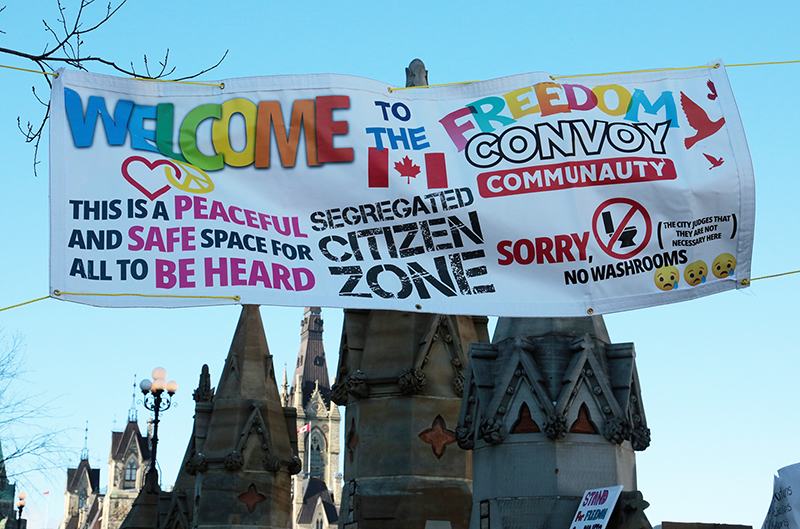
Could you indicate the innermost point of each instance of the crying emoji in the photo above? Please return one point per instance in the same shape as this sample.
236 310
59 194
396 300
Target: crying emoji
695 273
723 266
667 278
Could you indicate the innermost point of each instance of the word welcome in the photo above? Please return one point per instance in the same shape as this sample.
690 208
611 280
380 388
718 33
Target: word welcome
314 117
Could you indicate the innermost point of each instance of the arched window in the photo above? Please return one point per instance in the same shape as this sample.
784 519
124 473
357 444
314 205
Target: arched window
130 474
316 461
82 497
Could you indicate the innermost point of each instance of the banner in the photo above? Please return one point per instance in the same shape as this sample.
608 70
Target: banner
784 508
596 508
519 196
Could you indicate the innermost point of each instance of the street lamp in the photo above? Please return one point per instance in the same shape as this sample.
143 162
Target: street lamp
155 401
20 506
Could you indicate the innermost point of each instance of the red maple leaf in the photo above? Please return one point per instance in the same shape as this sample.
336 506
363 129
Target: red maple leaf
407 168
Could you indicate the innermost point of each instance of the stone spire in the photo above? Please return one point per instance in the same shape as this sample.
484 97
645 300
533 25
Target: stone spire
311 364
318 426
401 375
554 398
85 451
285 389
241 455
133 414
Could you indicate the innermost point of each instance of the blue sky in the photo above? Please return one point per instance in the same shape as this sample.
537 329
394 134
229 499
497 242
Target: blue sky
718 374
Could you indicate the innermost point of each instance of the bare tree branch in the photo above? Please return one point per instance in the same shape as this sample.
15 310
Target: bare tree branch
69 35
29 447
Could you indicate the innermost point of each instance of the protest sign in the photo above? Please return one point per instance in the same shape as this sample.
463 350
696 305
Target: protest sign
518 196
784 508
596 508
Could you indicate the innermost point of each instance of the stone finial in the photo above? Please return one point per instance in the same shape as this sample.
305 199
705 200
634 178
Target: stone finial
204 391
416 74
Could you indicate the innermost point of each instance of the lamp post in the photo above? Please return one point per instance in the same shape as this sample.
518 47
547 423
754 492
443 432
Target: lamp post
155 401
20 506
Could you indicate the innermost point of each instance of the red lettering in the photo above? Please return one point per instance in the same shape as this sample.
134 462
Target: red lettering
502 249
544 250
529 251
327 128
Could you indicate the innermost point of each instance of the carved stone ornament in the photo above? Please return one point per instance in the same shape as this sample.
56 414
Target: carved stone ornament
464 438
640 438
617 430
629 511
416 74
272 463
204 392
492 431
411 381
555 427
196 464
234 460
458 384
339 393
356 385
295 465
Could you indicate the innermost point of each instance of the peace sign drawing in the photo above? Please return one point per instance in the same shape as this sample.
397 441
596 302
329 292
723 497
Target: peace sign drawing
194 180
143 176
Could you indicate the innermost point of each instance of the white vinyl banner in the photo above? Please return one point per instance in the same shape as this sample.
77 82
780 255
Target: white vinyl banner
520 196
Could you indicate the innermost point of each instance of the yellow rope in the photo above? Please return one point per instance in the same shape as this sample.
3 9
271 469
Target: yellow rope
21 304
620 73
429 86
237 298
635 71
59 293
27 70
748 281
221 86
760 63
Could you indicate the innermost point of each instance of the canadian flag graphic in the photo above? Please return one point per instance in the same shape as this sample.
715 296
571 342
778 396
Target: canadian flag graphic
435 169
305 428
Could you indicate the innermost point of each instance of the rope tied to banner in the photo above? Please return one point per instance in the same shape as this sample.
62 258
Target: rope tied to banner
25 303
221 86
554 77
60 293
744 282
748 281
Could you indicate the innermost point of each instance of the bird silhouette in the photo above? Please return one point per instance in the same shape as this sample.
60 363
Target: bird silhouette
713 89
699 121
715 162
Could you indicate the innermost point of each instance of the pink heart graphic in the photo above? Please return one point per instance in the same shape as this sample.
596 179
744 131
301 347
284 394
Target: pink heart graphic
150 165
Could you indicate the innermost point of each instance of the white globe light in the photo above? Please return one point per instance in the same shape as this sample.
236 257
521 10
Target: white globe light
145 385
172 387
159 372
159 384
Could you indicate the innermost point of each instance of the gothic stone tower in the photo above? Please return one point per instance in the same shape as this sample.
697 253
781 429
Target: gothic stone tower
401 376
127 465
83 487
318 431
552 408
236 472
